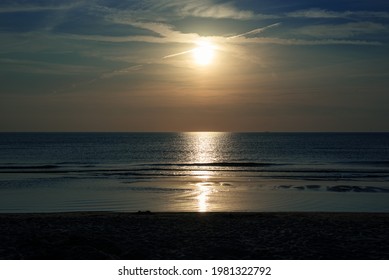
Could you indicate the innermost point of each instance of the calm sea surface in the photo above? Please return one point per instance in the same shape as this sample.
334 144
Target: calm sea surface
47 172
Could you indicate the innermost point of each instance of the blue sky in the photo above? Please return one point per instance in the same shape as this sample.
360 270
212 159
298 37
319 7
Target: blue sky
129 66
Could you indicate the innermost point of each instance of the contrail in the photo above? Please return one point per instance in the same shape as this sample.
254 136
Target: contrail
101 77
176 54
121 71
254 31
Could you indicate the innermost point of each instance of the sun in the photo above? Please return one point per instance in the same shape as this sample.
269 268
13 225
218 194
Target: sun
204 53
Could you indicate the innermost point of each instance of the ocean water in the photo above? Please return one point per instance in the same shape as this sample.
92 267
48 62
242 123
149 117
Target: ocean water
204 171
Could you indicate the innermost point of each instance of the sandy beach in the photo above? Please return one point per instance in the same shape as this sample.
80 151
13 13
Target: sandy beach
144 235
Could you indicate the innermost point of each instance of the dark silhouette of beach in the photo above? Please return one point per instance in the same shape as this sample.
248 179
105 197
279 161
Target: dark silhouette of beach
145 235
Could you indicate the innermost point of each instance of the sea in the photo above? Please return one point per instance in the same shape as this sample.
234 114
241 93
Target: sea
194 172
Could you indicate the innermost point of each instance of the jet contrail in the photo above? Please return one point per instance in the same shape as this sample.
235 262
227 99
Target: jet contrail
102 76
254 31
175 54
121 71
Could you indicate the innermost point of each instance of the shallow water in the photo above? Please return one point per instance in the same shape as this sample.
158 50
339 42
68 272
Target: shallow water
48 172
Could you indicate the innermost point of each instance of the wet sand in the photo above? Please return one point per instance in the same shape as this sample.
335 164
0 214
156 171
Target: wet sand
281 236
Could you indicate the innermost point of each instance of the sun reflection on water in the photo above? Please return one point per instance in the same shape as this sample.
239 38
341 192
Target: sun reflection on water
205 148
202 199
202 174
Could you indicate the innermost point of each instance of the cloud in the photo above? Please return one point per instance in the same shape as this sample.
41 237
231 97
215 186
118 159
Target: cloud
166 31
315 13
39 67
164 34
370 14
17 7
321 13
112 39
301 42
342 30
190 8
208 9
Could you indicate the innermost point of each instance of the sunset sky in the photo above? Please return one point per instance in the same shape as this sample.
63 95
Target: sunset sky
204 65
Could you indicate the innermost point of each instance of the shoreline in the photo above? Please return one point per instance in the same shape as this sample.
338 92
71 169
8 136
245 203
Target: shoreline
193 235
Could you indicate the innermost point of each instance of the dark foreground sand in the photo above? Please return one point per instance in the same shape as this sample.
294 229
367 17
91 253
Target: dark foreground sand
194 236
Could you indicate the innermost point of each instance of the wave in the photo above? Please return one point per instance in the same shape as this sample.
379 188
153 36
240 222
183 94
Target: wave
46 166
89 164
154 189
335 188
345 188
248 169
367 162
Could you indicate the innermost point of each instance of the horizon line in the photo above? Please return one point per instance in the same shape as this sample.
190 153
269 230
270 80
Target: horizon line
196 131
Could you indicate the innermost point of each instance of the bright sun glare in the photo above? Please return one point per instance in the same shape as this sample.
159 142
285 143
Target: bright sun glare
204 53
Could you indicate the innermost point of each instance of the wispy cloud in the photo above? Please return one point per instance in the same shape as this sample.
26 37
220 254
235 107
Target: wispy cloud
164 35
39 67
315 13
301 42
321 13
209 10
166 31
201 8
21 7
342 30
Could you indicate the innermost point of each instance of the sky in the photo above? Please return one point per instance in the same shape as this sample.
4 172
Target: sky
195 65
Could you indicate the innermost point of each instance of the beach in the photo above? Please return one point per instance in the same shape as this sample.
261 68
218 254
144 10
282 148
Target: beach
147 235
